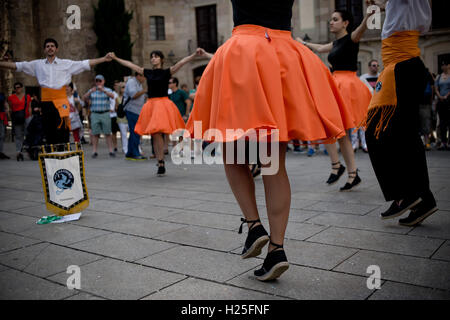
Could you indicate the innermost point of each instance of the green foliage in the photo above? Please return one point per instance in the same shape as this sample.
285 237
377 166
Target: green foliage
113 35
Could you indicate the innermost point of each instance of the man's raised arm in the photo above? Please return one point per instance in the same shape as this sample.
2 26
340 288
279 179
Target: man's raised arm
8 65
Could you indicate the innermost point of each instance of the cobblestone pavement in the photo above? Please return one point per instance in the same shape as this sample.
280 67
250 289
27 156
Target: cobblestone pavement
145 237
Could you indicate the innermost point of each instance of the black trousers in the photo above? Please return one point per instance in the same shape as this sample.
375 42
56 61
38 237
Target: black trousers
398 155
443 109
52 120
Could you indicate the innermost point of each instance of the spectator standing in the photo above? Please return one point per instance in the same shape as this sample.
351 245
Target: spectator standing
122 122
135 98
99 98
442 85
180 98
20 111
425 110
113 115
3 124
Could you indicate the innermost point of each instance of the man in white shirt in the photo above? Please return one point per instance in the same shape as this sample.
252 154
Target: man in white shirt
53 75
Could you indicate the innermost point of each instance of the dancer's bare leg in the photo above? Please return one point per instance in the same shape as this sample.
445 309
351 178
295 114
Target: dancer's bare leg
349 156
243 186
278 199
334 157
158 144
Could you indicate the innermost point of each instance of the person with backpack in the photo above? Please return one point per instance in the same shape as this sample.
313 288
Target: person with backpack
20 111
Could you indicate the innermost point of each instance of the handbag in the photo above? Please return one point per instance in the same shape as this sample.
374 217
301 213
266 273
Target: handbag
121 108
18 117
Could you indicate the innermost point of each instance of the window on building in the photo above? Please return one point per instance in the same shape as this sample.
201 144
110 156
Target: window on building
440 8
207 27
355 7
157 28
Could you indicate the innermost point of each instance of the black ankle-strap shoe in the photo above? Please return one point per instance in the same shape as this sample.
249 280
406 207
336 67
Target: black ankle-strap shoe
335 177
274 265
350 186
161 169
256 240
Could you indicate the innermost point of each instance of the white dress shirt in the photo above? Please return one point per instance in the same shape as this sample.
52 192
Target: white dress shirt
406 15
53 75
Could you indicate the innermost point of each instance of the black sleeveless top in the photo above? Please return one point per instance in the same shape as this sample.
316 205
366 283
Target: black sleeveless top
272 14
157 82
344 55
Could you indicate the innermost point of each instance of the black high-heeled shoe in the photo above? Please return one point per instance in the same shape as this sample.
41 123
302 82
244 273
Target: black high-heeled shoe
256 240
335 177
274 265
356 181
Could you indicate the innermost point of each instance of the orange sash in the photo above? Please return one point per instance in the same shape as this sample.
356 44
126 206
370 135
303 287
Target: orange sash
59 99
399 47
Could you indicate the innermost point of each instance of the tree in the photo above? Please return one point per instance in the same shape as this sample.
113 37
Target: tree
113 35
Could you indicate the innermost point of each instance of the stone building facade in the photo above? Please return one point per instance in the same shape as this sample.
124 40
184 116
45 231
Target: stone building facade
176 27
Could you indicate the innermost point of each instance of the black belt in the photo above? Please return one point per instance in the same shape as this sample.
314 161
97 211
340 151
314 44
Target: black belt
100 111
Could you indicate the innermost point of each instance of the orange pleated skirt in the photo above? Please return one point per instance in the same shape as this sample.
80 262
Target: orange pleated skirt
159 115
262 78
355 93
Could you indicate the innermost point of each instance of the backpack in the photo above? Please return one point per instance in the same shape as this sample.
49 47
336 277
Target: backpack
121 108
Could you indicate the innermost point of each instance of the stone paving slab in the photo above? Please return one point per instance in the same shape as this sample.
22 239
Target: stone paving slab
13 204
84 297
339 207
63 234
45 259
378 241
169 202
111 206
436 226
142 227
410 270
123 247
10 242
116 196
368 223
17 285
205 219
112 279
22 195
201 263
316 255
309 284
38 211
208 238
196 289
399 291
302 231
443 253
17 223
149 212
94 219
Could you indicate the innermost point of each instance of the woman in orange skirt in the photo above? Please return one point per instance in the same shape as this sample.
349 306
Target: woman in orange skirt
159 115
343 58
263 85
